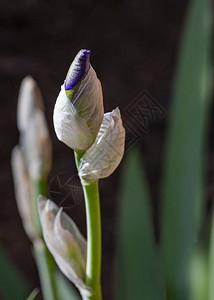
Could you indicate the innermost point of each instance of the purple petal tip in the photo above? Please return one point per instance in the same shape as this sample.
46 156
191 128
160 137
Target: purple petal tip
78 68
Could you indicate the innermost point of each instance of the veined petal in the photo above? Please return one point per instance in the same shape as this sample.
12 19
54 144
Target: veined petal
88 102
70 128
103 157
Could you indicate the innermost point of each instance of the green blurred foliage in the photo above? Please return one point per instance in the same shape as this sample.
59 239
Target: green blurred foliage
183 182
12 285
138 273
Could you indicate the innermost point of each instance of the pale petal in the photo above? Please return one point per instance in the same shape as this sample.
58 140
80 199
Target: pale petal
88 101
70 128
36 145
64 241
29 99
23 192
79 111
103 157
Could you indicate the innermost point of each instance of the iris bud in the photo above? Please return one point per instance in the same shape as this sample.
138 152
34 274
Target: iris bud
64 241
103 157
78 111
29 99
36 145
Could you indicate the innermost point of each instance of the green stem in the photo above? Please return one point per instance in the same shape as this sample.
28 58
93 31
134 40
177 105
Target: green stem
93 266
45 262
39 187
78 155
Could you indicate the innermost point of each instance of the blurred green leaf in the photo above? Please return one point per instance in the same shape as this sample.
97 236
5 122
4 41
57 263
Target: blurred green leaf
138 274
199 275
182 195
211 263
12 285
65 288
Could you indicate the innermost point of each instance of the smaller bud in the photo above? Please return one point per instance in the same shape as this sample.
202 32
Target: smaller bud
78 111
29 99
23 193
36 146
64 241
103 157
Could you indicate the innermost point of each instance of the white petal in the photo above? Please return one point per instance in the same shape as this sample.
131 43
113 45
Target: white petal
103 157
29 99
77 121
88 101
70 128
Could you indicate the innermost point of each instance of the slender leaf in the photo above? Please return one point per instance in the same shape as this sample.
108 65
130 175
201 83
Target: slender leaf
184 166
211 263
137 267
12 285
199 275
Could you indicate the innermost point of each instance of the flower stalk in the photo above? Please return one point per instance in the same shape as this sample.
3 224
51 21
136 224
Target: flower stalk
44 260
93 220
31 163
93 266
46 269
98 141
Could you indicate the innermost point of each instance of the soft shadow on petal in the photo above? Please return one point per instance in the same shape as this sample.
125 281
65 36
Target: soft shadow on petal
103 157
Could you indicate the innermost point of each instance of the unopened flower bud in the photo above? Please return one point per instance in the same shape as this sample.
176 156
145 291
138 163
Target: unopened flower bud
64 241
23 193
78 111
103 157
36 145
29 99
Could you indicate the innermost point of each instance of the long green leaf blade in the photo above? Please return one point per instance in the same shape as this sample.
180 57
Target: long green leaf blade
184 173
137 267
211 263
12 286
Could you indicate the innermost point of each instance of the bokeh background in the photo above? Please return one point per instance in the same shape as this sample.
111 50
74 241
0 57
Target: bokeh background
134 47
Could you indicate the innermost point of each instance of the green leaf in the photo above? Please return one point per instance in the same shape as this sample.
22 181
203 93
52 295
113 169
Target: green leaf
199 275
211 263
182 197
65 288
138 273
12 285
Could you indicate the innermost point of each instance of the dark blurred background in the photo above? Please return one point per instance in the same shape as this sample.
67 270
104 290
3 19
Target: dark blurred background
134 48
